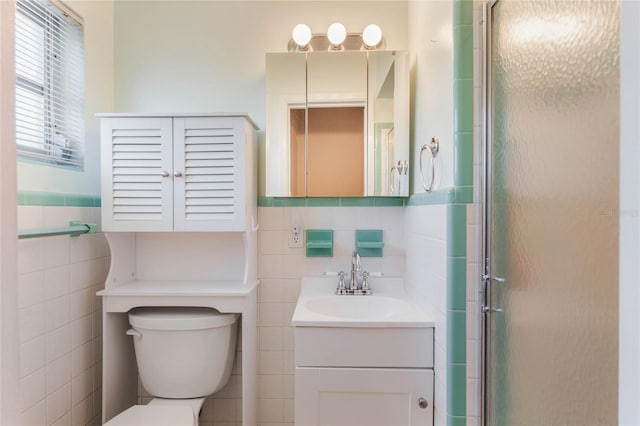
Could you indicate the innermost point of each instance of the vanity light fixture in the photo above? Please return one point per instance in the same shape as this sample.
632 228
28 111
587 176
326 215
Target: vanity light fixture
336 39
302 36
336 33
372 36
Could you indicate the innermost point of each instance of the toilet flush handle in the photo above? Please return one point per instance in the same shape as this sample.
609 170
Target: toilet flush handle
135 333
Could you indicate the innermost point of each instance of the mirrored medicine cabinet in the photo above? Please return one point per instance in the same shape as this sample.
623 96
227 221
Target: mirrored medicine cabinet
337 124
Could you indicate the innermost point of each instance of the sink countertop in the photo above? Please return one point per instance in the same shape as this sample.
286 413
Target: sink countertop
388 306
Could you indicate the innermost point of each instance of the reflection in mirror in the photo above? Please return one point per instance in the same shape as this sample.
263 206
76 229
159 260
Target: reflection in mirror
336 105
286 88
388 122
337 124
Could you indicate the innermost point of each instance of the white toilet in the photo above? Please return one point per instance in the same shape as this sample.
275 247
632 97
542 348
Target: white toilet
183 355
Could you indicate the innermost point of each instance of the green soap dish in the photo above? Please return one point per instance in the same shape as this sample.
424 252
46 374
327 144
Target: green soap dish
319 242
369 242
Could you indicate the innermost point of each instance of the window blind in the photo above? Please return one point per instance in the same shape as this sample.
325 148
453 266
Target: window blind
49 83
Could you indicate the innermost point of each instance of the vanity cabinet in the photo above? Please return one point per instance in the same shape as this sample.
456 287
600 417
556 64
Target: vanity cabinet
363 396
373 376
163 173
362 360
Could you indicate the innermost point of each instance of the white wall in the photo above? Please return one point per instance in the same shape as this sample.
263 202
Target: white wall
431 45
99 93
8 226
425 237
207 56
629 332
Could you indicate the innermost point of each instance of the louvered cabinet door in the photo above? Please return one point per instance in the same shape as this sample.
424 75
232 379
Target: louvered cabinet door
137 193
209 174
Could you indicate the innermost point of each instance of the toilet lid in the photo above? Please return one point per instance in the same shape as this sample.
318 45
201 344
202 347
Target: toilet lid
154 415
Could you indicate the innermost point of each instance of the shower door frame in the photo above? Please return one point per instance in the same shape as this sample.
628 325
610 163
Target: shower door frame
485 293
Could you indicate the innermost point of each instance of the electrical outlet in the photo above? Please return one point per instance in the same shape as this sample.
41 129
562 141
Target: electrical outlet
296 236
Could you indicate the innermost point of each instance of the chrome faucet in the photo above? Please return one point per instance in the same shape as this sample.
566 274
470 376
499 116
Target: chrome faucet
356 269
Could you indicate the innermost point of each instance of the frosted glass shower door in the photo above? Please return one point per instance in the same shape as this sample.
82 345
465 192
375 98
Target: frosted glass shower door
552 219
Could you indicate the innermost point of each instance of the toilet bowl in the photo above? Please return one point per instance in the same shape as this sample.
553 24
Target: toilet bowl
183 355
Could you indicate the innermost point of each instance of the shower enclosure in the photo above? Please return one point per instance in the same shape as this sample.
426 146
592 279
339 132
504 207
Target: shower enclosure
551 218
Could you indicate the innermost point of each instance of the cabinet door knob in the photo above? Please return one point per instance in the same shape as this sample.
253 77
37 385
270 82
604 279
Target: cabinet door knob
165 174
178 174
423 403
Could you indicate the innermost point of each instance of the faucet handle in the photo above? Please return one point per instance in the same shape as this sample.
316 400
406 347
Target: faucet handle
341 283
365 280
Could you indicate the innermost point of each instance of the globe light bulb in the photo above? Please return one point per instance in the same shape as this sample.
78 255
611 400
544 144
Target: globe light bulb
372 35
301 35
336 34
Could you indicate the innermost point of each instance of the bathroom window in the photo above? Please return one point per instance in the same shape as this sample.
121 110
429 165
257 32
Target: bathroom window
49 83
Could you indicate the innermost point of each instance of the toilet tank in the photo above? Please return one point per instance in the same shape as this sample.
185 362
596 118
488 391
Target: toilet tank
183 352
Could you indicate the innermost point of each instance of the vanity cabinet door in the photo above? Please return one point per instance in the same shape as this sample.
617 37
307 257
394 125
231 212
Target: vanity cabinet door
363 397
137 193
209 158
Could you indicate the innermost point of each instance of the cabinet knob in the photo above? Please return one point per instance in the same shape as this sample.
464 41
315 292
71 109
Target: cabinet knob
165 174
423 403
178 174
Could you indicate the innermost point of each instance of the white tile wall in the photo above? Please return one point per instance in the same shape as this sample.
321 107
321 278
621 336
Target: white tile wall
60 316
426 279
60 319
281 269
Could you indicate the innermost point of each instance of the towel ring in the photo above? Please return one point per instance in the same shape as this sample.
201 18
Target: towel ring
433 149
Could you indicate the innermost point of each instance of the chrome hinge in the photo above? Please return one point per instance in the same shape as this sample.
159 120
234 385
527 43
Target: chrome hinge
486 309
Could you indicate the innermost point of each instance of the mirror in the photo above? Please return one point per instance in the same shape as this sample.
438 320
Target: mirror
337 124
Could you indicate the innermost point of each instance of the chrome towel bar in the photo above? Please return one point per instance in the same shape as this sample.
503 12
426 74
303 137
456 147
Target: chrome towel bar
74 229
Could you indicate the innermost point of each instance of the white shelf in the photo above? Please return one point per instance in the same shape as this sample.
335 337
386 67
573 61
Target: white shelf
225 296
180 288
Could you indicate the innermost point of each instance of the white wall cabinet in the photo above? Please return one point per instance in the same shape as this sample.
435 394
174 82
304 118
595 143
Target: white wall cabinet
163 176
163 173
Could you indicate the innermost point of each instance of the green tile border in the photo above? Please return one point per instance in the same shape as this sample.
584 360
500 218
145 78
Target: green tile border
322 202
458 195
456 337
462 12
331 201
356 202
463 105
457 230
289 202
456 390
441 196
464 195
463 159
389 201
463 93
456 421
265 201
59 199
463 54
457 283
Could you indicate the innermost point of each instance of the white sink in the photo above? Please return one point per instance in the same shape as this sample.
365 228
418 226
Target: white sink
388 306
363 307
